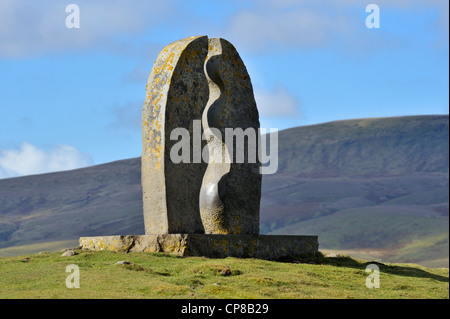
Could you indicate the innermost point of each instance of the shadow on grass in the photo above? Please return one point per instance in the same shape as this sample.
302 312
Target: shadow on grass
349 262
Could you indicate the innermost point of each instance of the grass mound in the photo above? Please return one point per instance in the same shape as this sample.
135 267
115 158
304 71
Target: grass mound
156 275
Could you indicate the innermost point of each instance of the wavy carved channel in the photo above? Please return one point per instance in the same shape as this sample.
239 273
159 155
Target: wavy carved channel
213 189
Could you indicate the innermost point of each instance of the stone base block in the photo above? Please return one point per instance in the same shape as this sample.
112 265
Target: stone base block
271 247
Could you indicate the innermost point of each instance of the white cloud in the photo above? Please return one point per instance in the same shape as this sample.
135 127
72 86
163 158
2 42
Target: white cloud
30 27
262 28
309 24
29 159
278 102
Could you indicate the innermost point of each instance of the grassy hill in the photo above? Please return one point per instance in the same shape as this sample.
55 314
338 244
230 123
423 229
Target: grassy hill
156 275
376 188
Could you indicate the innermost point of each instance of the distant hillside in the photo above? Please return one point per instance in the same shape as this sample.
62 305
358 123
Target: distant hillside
371 187
102 199
376 188
374 147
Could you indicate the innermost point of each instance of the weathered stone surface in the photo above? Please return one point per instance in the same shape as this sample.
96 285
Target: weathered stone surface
177 93
199 79
193 207
231 188
271 247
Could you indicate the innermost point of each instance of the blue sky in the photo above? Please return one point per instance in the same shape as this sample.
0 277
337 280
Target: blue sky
73 97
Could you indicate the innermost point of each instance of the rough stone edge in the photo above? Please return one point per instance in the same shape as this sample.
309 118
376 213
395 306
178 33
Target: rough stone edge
271 247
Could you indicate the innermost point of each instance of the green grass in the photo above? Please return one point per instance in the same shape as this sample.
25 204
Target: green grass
37 247
163 276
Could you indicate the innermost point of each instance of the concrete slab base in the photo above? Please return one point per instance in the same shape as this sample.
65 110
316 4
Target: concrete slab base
271 247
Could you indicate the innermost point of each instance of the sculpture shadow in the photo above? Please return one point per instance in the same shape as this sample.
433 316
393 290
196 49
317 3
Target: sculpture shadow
348 262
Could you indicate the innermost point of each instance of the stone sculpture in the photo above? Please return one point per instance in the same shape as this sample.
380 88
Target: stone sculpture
199 79
196 207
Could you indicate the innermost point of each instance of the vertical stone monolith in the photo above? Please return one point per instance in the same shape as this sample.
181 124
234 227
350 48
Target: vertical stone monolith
176 94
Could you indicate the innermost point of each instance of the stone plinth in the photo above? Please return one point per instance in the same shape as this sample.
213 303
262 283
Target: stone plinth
271 247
